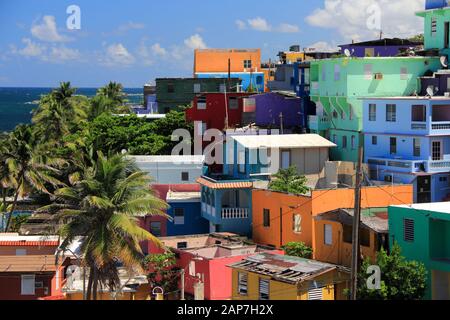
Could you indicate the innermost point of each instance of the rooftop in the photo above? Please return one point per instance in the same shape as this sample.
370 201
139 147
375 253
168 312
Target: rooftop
385 42
285 268
375 218
413 98
35 263
284 141
13 239
224 184
173 196
170 159
441 207
227 50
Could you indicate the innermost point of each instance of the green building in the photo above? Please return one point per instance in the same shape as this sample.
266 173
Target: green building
437 29
171 93
423 233
338 84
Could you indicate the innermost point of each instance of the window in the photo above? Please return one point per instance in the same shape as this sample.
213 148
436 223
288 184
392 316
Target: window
247 64
259 80
242 284
222 87
393 145
364 237
327 231
342 115
201 103
324 73
315 293
263 289
297 223
241 162
170 88
374 140
391 113
403 73
307 77
369 52
182 245
192 268
21 252
419 113
368 71
155 229
197 87
347 236
344 142
433 26
353 142
178 216
351 114
285 159
408 230
335 139
337 72
233 103
372 112
266 218
388 178
335 114
185 176
28 285
416 143
436 151
443 179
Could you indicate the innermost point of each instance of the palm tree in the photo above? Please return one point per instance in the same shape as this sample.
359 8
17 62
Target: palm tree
288 180
102 206
64 92
113 91
29 167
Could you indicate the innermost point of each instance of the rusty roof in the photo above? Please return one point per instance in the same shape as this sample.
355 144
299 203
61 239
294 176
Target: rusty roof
38 263
225 185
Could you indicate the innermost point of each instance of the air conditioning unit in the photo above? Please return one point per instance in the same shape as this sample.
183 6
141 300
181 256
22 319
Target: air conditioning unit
378 76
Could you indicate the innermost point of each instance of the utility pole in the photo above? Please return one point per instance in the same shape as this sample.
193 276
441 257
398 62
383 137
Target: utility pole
356 225
182 284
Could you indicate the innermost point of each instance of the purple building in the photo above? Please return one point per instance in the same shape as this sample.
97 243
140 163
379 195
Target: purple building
380 48
274 108
438 81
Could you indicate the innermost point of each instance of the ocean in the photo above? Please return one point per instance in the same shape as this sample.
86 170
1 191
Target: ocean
16 104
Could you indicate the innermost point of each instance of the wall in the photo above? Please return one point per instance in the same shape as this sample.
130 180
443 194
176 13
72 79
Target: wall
216 60
254 80
31 250
193 222
379 51
171 173
10 286
270 105
436 41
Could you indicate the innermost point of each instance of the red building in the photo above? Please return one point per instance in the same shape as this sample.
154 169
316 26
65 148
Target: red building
210 109
205 259
28 269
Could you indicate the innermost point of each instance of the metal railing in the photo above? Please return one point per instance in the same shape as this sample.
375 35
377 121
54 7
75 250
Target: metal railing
235 213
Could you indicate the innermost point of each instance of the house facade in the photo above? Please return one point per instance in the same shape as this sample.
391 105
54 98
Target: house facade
283 79
437 26
269 276
338 84
423 233
386 47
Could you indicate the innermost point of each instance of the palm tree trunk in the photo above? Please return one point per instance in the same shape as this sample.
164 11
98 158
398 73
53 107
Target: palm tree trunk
95 285
13 207
90 281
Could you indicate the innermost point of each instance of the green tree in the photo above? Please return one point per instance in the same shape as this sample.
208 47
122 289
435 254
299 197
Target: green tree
102 206
298 249
400 279
114 92
287 180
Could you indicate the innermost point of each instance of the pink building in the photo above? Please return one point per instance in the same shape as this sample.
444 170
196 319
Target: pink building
205 258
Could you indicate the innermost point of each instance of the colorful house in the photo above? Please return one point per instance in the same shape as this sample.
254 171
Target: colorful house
338 84
284 78
293 55
423 233
28 267
279 218
334 230
269 276
381 47
205 259
407 140
172 93
244 64
227 198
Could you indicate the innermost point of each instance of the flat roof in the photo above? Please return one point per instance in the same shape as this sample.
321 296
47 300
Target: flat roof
284 141
174 196
436 98
169 159
441 207
35 263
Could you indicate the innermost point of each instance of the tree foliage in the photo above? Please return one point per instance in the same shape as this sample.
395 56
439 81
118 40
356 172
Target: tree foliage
298 249
288 180
162 271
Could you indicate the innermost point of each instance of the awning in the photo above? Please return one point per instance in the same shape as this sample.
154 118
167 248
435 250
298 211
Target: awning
224 185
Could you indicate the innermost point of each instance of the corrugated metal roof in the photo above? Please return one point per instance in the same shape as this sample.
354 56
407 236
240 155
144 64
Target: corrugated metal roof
224 185
284 141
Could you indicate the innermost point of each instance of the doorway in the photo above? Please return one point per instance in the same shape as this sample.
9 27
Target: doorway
436 150
446 34
424 189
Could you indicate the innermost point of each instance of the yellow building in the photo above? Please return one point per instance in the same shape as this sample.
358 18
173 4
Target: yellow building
277 277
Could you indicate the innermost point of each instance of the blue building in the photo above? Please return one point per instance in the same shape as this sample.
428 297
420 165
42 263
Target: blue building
435 4
407 140
253 79
185 214
302 82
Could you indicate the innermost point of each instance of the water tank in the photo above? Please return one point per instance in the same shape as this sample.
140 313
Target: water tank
294 48
435 4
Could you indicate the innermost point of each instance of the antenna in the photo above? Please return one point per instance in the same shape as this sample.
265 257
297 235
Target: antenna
444 61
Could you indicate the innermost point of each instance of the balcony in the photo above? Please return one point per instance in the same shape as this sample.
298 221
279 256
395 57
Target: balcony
433 128
208 209
438 166
411 166
235 213
319 123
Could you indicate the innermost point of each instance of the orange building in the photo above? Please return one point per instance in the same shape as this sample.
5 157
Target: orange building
279 218
216 60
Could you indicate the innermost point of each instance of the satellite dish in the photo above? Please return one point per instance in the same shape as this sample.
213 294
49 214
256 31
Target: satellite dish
430 91
347 53
444 61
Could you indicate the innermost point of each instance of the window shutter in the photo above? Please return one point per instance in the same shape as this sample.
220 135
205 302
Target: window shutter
297 223
263 289
315 293
328 239
242 283
408 230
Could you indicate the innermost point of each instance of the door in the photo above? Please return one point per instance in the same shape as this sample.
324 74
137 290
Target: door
446 34
285 159
440 283
436 150
424 189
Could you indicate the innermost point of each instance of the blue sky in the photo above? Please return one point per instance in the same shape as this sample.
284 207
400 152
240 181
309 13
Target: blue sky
135 41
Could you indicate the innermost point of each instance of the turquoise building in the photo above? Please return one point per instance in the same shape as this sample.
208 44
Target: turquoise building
423 233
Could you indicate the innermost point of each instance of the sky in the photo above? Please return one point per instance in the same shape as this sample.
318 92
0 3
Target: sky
135 41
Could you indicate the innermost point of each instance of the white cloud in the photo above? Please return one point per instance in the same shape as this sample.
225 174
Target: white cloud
356 19
31 49
47 30
130 26
158 50
117 55
241 25
259 24
195 42
52 53
288 28
62 54
324 46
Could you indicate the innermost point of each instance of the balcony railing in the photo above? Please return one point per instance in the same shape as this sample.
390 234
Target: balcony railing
435 125
412 165
441 165
319 122
235 213
440 125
